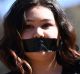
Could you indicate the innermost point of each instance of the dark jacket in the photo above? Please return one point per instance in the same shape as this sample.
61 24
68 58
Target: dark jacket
72 69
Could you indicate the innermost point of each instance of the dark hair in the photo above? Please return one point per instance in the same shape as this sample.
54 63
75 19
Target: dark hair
14 20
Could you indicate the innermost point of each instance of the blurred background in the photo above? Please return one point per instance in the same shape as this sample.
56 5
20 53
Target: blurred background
71 8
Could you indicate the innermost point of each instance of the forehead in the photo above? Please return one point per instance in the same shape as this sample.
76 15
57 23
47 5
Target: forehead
39 12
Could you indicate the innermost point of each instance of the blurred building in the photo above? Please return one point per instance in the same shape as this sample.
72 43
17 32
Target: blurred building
73 14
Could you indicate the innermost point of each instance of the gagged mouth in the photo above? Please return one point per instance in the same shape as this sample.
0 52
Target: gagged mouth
40 44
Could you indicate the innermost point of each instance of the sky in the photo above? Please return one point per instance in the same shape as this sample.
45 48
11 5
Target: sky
68 3
5 5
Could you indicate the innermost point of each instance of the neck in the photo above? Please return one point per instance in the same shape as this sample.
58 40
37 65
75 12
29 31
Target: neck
44 67
43 62
47 68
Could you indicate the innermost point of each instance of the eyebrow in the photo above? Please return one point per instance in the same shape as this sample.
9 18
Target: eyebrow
44 20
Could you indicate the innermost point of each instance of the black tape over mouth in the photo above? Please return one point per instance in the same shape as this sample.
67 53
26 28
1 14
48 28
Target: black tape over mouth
40 44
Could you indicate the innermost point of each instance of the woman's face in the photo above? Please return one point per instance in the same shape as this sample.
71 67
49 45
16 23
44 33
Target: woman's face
40 22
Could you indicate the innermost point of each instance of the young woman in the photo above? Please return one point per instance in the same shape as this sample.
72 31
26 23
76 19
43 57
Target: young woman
38 39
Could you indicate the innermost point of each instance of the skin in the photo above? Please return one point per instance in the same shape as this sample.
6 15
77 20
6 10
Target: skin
40 22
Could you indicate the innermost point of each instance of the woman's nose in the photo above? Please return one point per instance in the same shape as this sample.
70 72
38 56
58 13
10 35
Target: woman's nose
38 32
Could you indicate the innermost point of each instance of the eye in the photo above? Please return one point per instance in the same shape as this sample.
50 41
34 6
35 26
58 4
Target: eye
45 26
28 27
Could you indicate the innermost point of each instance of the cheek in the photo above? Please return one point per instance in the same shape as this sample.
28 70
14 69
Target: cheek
26 35
52 32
